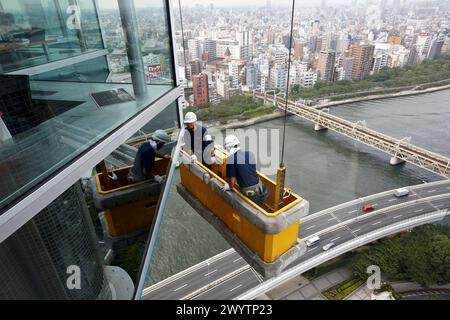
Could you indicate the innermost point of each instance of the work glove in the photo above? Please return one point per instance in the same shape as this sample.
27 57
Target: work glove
158 179
193 158
225 187
113 176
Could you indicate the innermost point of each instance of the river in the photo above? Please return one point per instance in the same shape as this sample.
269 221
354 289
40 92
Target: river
323 167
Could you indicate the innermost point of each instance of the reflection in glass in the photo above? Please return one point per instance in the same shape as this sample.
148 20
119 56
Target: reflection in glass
63 64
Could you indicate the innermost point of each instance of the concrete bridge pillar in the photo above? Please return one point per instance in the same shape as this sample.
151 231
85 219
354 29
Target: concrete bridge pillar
318 127
396 161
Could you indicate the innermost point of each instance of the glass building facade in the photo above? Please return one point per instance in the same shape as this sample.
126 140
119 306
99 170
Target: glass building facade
81 82
66 83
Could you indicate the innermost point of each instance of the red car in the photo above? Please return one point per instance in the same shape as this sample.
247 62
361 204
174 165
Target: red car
368 208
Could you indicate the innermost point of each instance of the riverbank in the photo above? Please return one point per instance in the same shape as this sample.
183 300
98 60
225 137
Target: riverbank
405 93
235 124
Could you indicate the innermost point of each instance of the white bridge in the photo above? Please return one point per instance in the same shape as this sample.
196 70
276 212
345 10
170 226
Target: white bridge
399 150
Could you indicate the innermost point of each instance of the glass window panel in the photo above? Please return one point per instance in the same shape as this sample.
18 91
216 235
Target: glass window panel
35 32
61 94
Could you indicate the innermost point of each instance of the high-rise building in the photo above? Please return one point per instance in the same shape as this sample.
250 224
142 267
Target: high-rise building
34 260
252 76
195 67
194 49
233 71
436 47
232 46
423 44
326 65
201 92
362 60
299 50
245 46
210 46
347 67
278 77
280 57
318 45
381 60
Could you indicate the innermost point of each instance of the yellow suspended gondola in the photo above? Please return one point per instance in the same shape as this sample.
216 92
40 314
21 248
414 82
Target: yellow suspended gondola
266 238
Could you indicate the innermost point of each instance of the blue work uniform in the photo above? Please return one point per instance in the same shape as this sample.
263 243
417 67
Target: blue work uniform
144 161
242 166
195 141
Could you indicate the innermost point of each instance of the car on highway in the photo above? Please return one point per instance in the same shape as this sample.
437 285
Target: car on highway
402 192
328 246
368 208
312 241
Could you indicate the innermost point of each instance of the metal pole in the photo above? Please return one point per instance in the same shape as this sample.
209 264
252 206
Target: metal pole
105 175
130 28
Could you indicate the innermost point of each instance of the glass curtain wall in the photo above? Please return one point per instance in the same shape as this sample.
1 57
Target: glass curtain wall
72 72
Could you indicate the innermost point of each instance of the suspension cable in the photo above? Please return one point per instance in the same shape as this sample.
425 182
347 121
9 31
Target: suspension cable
287 85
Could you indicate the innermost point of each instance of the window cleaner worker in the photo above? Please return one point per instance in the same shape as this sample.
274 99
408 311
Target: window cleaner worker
196 138
144 163
241 172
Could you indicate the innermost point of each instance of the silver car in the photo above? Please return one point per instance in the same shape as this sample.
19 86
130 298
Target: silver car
328 246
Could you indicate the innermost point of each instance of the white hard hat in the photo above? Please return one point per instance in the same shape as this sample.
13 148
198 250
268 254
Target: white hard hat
161 136
208 138
231 141
190 117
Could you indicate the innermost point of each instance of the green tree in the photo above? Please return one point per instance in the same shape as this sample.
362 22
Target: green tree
295 89
439 257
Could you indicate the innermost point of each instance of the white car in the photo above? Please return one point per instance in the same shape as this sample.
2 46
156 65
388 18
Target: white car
312 241
328 246
402 192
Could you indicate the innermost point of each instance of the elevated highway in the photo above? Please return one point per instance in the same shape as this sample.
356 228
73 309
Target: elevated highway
227 276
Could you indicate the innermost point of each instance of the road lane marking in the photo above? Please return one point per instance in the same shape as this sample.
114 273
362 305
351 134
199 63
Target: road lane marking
310 227
374 224
335 239
210 272
356 230
420 210
353 211
375 204
236 260
400 215
392 200
236 287
184 285
332 219
312 249
432 191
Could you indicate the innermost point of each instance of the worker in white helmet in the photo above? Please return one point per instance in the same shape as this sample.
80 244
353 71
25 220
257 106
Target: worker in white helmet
197 141
144 161
241 172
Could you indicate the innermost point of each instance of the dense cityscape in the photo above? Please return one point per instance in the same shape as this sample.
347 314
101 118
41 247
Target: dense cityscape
124 123
246 49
